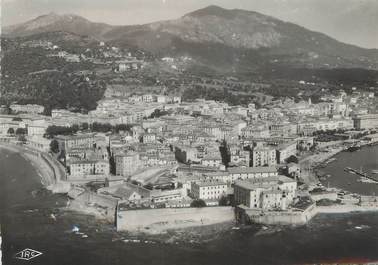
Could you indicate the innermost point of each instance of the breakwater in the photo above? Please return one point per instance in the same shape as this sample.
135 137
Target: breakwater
365 159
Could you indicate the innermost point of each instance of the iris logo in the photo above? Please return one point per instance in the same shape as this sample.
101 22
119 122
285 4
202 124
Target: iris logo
27 254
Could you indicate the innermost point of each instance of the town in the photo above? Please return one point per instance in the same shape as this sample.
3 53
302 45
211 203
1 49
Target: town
154 162
188 132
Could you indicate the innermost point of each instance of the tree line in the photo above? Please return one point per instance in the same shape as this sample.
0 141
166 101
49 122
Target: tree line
55 130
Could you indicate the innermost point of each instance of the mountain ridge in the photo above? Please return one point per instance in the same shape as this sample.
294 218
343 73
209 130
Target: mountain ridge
235 30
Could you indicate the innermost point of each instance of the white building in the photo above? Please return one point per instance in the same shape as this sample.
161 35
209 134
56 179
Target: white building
39 143
211 161
265 193
239 173
160 196
28 108
209 190
87 167
127 164
284 151
75 141
147 98
263 156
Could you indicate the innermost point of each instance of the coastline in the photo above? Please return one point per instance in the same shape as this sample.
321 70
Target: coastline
337 149
314 162
318 160
41 166
45 172
189 235
347 209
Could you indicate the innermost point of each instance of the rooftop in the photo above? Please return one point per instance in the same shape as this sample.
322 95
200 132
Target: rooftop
252 186
71 137
78 162
210 183
246 170
285 179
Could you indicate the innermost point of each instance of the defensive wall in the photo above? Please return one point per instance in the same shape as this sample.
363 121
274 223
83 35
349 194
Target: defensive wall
169 218
245 215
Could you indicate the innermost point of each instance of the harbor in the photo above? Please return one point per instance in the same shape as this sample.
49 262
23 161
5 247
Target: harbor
354 172
365 177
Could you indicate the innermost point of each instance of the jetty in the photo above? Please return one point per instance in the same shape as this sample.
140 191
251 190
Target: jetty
361 173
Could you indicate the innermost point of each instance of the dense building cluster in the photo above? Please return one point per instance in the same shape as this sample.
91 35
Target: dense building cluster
156 151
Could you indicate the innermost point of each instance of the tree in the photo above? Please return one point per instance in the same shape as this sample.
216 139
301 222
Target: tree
198 203
292 159
54 146
10 131
22 138
84 126
122 127
158 113
223 201
225 152
21 131
75 128
101 127
60 130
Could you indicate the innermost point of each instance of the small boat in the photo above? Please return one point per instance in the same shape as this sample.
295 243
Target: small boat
359 227
322 178
31 211
84 236
235 228
75 229
52 216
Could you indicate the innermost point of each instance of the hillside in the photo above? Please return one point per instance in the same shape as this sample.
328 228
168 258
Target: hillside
226 40
208 44
53 22
48 80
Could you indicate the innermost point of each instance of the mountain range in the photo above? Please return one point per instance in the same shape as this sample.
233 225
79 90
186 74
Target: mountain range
222 39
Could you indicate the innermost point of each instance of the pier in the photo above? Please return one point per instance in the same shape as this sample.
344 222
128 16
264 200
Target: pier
361 173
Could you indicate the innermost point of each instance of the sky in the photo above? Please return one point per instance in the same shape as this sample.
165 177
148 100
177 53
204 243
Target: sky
350 21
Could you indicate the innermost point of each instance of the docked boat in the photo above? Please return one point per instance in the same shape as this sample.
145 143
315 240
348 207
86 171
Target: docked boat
331 160
353 148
